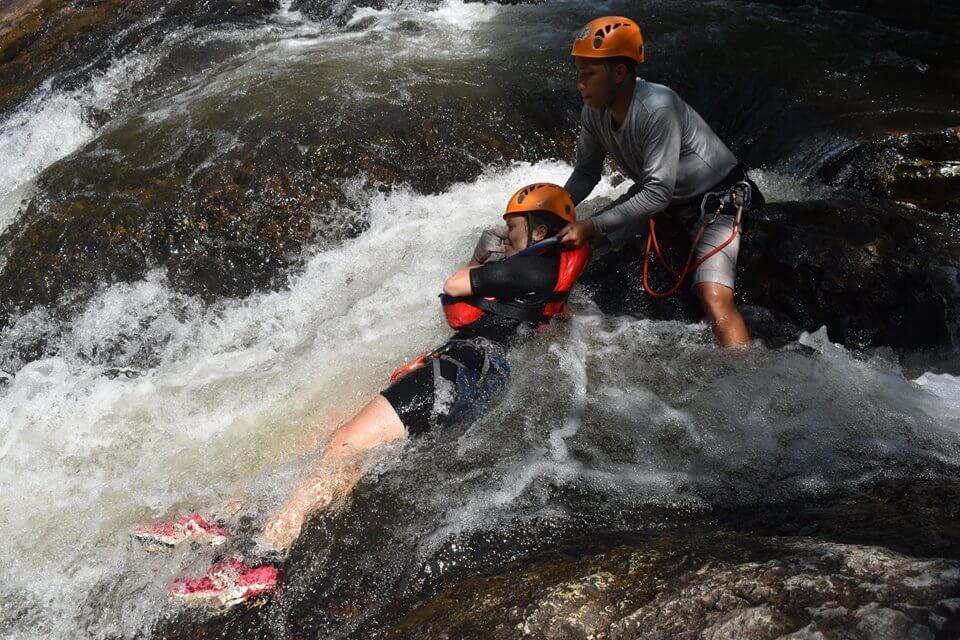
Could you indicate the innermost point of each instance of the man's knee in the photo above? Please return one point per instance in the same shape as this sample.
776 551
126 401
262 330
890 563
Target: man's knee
716 299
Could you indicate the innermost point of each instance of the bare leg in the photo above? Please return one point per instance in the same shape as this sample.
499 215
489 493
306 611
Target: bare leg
728 326
341 463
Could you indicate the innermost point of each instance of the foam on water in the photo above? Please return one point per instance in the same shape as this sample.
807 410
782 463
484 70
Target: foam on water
452 14
635 412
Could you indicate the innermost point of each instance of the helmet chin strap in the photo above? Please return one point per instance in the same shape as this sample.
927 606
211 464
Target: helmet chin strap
530 240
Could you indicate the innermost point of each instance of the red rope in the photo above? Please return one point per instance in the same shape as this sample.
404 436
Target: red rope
689 266
413 365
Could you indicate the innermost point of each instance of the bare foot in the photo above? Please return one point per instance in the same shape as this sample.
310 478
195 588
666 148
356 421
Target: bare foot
282 529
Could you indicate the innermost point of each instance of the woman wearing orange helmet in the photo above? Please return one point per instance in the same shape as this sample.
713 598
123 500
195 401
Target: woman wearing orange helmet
674 159
490 304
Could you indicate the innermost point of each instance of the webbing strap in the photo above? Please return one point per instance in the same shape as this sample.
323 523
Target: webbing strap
505 309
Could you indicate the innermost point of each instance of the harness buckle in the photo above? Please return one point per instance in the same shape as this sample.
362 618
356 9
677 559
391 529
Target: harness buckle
731 201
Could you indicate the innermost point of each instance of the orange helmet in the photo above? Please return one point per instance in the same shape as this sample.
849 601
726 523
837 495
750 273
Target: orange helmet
609 37
542 197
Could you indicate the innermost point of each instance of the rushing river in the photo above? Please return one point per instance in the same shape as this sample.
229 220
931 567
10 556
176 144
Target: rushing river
147 400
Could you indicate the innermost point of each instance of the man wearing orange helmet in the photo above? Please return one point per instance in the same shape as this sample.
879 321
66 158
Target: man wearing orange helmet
674 159
506 291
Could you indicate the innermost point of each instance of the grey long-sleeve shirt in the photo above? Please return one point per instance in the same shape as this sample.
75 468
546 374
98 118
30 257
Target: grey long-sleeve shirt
663 145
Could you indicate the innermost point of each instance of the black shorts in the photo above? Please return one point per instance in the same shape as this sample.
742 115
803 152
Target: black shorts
471 371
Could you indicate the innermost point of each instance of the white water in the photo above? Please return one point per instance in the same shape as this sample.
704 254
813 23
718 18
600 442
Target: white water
85 456
225 412
643 412
54 123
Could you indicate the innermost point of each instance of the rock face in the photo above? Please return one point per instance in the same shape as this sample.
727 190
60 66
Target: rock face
718 587
870 271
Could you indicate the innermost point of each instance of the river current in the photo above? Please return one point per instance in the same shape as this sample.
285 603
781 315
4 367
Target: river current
148 401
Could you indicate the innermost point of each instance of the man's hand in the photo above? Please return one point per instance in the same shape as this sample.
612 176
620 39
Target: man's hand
491 245
577 234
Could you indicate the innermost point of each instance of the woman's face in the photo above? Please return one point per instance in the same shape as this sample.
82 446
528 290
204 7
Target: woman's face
516 235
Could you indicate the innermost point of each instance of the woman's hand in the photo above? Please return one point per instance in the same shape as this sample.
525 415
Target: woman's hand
491 245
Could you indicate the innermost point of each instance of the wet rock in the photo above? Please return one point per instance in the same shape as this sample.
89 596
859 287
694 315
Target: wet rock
872 272
717 587
227 230
920 169
868 270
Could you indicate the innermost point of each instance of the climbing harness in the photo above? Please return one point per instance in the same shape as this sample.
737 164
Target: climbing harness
472 387
437 355
737 197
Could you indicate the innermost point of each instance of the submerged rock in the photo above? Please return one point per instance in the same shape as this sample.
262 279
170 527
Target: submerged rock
717 587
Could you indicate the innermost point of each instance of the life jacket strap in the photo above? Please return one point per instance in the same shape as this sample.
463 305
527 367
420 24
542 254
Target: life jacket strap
504 309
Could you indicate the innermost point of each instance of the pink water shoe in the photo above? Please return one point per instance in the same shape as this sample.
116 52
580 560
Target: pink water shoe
171 533
226 584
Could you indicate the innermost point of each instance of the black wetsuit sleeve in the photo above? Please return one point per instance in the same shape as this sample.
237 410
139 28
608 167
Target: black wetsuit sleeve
515 279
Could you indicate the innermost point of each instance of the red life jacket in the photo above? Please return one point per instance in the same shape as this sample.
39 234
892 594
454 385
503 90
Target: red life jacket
463 312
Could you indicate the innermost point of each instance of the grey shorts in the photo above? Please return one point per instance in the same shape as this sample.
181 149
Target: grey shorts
722 266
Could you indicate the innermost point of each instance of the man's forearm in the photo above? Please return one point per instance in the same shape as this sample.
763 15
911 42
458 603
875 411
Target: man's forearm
580 184
627 219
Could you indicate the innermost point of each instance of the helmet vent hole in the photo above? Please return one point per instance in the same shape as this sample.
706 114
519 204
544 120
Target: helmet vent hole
607 29
597 42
